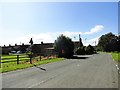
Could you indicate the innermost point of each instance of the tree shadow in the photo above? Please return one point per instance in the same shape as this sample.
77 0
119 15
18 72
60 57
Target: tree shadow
40 68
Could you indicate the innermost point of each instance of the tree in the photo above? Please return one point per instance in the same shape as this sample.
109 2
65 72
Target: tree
109 42
105 41
64 46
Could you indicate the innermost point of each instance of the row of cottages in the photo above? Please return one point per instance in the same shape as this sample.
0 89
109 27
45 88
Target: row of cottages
9 49
43 48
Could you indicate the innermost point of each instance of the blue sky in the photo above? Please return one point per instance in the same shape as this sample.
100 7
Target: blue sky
45 21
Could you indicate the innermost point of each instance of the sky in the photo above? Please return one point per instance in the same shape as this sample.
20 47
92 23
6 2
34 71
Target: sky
45 21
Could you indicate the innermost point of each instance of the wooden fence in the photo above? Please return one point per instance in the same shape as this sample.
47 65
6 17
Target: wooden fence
26 58
16 58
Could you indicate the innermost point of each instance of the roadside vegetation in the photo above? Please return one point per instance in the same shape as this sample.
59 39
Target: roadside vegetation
11 66
110 43
85 50
116 56
64 47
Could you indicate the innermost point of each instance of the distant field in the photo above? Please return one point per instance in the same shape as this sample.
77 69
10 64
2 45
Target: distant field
116 56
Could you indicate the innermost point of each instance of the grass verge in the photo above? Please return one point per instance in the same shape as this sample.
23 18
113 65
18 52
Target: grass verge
6 67
116 56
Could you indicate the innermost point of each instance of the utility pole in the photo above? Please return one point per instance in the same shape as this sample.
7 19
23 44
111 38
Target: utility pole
74 45
31 43
95 43
80 41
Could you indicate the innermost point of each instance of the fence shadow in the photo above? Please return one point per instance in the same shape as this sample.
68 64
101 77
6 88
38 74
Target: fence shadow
40 68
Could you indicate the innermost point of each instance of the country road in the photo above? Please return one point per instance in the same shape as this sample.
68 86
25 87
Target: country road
96 71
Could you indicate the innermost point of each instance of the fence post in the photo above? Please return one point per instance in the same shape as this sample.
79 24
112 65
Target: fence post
40 57
30 58
0 61
17 59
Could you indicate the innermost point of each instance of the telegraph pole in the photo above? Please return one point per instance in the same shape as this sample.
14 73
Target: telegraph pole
95 43
31 43
80 41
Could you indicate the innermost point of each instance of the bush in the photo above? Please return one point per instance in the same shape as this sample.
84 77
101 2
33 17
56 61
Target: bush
89 49
80 50
85 50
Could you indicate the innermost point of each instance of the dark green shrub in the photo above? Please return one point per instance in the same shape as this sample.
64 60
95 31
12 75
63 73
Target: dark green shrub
89 49
80 51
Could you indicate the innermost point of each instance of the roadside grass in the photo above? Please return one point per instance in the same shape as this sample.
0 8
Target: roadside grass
0 69
11 66
116 56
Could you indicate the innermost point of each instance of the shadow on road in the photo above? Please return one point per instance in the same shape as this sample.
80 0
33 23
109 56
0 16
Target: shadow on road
78 57
40 68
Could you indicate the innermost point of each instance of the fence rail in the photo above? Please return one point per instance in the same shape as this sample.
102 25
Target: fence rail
15 58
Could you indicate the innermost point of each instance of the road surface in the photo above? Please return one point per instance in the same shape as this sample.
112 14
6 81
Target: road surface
96 71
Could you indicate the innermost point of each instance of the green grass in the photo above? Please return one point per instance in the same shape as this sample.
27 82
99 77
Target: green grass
11 66
116 56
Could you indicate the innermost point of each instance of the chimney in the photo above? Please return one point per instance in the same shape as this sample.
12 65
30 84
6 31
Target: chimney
42 42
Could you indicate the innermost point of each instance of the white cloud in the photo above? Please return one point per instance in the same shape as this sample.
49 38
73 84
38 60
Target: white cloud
46 37
93 41
37 38
68 33
96 29
50 37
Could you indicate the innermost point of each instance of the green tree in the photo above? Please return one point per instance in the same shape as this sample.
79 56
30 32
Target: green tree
64 46
104 41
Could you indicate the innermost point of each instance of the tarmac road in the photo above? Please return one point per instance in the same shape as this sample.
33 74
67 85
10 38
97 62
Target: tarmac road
96 71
